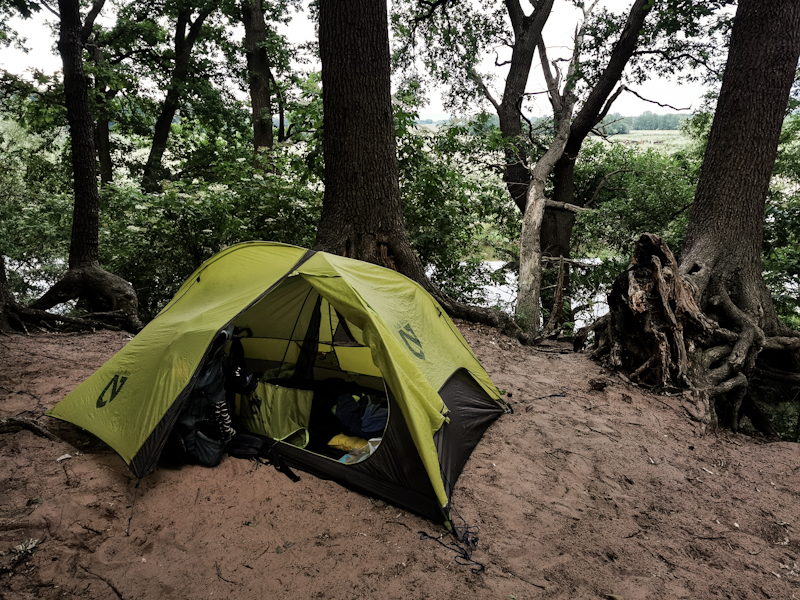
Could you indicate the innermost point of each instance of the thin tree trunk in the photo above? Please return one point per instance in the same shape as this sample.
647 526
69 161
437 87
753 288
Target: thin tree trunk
86 212
7 303
281 111
104 151
184 44
259 74
530 248
102 127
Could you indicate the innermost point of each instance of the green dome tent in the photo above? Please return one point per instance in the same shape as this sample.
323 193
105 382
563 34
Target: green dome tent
365 323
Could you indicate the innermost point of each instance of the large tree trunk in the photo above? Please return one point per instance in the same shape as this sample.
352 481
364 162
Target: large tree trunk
259 74
362 215
184 44
702 323
95 288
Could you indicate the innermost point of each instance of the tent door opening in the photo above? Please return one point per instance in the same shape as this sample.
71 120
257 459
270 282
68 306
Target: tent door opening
318 389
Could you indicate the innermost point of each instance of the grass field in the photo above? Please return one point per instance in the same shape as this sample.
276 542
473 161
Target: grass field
667 141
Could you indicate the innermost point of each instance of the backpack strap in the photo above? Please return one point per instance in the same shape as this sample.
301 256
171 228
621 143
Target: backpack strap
259 448
280 465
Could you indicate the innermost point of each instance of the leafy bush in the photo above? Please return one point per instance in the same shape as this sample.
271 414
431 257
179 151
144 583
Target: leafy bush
156 240
456 216
35 210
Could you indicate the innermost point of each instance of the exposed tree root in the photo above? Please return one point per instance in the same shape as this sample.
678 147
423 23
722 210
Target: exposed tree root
657 335
478 314
111 300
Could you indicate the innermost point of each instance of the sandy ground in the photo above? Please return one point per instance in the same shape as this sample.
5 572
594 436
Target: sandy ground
580 493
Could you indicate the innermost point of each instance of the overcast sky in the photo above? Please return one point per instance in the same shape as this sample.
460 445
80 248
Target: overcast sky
558 33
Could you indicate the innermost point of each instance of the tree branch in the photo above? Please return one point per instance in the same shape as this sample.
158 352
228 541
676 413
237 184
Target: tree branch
88 24
50 8
603 183
550 80
477 80
654 102
432 6
15 424
609 102
516 15
564 206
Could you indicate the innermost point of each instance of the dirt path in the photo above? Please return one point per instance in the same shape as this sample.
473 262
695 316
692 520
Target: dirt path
579 494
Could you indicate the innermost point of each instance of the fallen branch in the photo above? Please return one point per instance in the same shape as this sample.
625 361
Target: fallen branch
106 581
15 424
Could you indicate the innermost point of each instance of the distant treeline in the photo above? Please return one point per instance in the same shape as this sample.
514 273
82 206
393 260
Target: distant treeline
612 125
616 123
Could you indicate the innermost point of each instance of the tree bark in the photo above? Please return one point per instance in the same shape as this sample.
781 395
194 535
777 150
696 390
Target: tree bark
83 250
103 136
259 74
530 247
8 305
704 323
722 248
362 215
527 36
85 279
184 44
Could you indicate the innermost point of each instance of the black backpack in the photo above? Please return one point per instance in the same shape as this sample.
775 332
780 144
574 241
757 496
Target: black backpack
204 427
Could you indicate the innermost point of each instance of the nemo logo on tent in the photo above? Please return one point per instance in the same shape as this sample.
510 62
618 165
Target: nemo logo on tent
115 386
412 341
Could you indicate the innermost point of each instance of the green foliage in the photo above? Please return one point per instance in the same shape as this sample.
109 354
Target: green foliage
635 192
451 41
780 401
156 240
614 125
632 192
456 216
35 210
684 39
781 245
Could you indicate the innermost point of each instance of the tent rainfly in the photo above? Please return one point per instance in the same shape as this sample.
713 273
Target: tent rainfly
364 324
